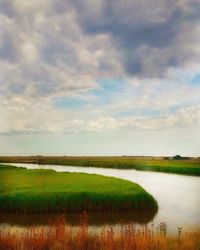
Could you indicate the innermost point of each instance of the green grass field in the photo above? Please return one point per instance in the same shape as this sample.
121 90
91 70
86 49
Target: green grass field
38 191
187 167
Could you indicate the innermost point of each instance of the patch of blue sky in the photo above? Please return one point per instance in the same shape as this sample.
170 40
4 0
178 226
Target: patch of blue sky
112 84
195 79
69 102
154 112
104 94
108 89
138 112
182 105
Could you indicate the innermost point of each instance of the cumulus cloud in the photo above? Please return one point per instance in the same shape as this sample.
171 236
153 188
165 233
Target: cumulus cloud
28 117
150 35
60 49
43 49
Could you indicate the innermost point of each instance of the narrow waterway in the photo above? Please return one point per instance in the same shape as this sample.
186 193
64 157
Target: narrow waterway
178 197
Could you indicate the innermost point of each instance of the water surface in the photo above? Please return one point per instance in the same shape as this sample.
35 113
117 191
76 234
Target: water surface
178 197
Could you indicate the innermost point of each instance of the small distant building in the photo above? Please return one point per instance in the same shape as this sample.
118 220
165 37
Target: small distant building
177 157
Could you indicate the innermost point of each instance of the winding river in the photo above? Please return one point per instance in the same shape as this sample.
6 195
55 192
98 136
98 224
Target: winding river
178 197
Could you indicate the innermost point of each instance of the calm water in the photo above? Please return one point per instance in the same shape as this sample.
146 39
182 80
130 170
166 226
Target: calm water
178 197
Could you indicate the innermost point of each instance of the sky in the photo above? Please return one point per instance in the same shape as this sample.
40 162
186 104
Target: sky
100 77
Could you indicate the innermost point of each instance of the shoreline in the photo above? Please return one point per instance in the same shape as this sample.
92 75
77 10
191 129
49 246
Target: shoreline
183 167
40 191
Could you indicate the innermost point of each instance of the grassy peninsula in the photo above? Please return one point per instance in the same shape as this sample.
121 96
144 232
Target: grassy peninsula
38 191
158 164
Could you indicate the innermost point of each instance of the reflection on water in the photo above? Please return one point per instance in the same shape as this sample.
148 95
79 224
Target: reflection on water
178 198
94 218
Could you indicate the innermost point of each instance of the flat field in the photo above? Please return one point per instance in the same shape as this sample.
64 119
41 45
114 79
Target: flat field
159 164
39 191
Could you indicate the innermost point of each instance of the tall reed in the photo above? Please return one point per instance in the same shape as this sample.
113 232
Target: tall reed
58 236
43 191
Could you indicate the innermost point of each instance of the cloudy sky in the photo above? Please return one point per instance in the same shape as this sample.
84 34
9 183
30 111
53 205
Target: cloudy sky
100 77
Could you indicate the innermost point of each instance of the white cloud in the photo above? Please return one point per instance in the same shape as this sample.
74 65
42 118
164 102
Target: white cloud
46 53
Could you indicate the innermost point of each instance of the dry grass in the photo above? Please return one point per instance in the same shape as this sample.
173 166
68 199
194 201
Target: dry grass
60 237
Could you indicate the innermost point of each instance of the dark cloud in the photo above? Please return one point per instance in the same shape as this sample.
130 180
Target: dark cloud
133 24
8 51
8 46
6 8
142 38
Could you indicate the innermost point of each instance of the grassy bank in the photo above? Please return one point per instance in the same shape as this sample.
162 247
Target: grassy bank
159 164
38 191
58 236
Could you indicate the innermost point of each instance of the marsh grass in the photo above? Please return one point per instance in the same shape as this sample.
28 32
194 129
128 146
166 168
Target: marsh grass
158 164
58 236
41 191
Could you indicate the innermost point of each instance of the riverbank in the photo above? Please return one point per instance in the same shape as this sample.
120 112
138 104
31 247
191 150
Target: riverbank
38 191
158 164
59 236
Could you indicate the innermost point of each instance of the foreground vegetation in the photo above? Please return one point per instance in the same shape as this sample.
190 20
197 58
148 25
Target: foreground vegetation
159 164
58 236
38 191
